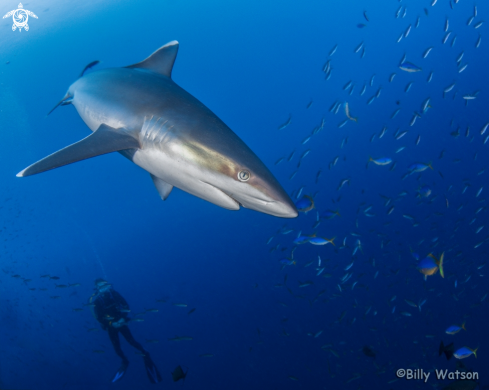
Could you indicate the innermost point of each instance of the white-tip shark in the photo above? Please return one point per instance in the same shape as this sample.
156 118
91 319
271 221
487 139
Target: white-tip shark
140 112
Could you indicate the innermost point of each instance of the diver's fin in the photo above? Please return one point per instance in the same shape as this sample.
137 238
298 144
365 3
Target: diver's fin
161 61
162 186
104 140
153 373
121 371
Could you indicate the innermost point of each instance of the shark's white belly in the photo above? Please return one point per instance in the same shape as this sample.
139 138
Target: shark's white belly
181 174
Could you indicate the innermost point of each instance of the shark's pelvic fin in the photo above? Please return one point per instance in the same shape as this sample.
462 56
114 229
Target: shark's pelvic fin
162 186
161 61
63 102
104 140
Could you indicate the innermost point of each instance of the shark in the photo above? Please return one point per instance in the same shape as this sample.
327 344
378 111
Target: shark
140 112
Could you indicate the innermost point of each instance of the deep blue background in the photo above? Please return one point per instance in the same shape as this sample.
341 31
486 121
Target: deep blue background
253 64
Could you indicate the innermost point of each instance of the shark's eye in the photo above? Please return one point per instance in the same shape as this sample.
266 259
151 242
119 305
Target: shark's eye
244 175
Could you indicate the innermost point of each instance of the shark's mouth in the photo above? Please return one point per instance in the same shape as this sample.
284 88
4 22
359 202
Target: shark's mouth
217 196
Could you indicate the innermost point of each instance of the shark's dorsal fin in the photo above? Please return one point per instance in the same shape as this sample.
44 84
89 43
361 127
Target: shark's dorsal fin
161 61
162 186
104 140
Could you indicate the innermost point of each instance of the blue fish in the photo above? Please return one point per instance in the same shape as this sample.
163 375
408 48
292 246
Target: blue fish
409 67
329 214
455 329
287 261
424 192
305 204
321 241
380 161
430 266
419 167
361 25
465 352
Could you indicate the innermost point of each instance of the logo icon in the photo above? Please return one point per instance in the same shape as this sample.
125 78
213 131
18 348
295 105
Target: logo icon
20 17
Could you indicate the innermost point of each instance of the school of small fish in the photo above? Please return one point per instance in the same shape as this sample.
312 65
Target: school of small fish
347 249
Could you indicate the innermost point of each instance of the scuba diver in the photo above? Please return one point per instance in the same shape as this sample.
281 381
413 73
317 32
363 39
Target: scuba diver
111 310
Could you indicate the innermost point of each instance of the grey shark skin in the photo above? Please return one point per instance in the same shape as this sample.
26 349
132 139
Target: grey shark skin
140 112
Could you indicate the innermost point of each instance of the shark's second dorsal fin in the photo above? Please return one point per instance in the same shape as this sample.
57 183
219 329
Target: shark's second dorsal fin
161 61
104 140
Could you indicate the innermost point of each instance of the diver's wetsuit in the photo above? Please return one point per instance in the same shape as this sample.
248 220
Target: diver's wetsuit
108 306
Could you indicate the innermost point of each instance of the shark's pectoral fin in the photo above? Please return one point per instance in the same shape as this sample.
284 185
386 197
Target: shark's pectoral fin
161 61
104 140
162 186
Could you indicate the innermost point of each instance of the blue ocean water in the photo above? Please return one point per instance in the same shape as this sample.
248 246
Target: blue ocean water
255 65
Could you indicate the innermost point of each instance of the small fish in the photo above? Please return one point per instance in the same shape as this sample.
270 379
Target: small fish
427 51
444 40
449 88
408 30
321 241
178 374
305 204
180 304
288 122
359 47
430 265
465 352
409 67
454 329
419 167
410 303
287 261
329 214
400 135
446 349
342 183
479 40
484 129
424 191
347 112
381 161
